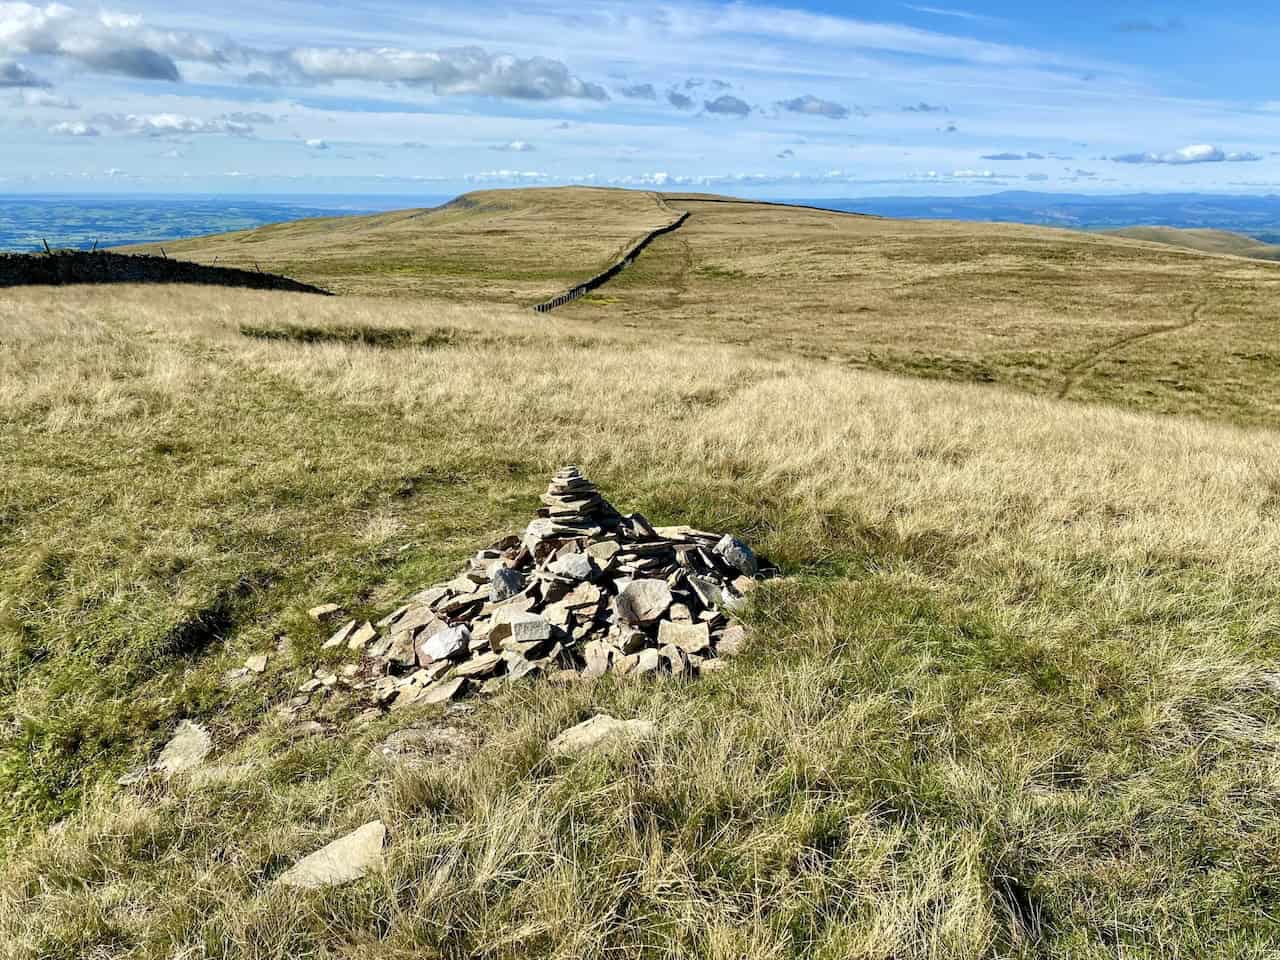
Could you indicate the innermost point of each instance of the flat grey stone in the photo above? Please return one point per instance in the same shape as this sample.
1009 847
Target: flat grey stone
644 601
188 748
324 612
342 861
601 732
576 566
689 637
338 639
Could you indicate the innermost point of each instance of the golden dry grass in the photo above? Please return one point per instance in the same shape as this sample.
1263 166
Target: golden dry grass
1223 242
1017 697
1053 312
496 246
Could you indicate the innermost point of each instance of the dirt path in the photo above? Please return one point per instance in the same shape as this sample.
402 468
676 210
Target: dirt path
1078 371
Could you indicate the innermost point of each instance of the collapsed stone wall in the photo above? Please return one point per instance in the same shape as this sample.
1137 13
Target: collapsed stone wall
76 267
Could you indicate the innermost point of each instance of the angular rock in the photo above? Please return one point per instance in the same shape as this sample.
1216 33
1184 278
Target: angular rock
256 664
448 644
577 566
191 743
360 638
601 732
689 637
737 555
479 666
342 636
644 601
325 611
505 585
444 691
733 641
342 861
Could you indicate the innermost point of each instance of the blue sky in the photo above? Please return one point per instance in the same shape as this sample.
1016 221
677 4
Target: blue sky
821 99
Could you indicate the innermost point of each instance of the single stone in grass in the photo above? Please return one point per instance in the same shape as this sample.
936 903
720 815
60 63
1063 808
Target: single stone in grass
324 612
689 637
256 664
506 584
644 601
342 861
188 748
737 555
733 641
601 732
712 666
448 644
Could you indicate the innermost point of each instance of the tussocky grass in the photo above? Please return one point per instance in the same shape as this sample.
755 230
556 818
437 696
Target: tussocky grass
1017 695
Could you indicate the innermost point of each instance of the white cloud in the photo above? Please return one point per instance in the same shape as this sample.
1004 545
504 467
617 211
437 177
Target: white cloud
463 70
507 176
170 124
16 75
1196 153
74 128
316 144
727 105
515 146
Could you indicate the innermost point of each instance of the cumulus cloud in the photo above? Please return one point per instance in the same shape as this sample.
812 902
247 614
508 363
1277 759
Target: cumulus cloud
252 118
679 100
727 105
462 70
640 91
515 146
815 107
74 128
102 42
16 75
1196 153
923 107
973 174
1012 156
316 144
170 124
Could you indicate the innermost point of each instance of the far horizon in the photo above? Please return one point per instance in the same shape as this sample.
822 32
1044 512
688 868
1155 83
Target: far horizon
816 100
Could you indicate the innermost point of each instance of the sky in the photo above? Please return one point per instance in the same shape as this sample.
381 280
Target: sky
816 99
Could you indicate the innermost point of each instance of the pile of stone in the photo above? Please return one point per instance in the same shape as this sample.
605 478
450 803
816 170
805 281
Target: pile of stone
583 592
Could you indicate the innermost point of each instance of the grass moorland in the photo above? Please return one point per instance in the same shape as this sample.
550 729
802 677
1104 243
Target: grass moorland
1055 312
1017 696
494 246
1206 241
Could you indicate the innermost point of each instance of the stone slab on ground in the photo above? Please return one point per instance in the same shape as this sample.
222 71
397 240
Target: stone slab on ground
601 731
346 859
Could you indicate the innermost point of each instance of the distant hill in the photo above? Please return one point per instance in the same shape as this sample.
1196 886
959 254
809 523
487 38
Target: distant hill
1259 217
1205 241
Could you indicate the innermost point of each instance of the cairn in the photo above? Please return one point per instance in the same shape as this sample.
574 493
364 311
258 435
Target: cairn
583 592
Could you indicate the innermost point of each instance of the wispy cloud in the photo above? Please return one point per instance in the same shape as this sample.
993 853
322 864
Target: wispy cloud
923 107
1149 25
515 146
639 91
1012 156
16 75
74 128
171 124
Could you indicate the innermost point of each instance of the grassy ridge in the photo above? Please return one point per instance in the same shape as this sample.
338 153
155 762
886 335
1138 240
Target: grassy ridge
1017 696
518 247
1205 241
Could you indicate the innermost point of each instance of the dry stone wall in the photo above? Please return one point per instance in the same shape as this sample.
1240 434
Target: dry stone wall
78 267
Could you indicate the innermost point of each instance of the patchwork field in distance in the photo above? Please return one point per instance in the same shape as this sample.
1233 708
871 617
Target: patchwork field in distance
1016 695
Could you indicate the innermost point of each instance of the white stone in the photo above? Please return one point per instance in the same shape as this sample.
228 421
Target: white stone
601 731
188 748
342 861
